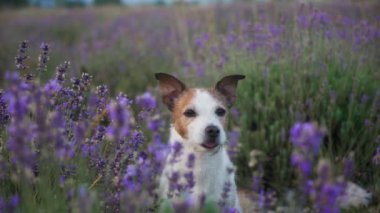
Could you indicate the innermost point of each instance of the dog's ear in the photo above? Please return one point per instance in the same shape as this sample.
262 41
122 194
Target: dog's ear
227 87
170 88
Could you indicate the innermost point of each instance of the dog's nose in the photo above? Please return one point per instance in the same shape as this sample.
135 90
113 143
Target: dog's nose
212 131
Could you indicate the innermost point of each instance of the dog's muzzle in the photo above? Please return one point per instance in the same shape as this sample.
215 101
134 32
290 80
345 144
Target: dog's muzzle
212 137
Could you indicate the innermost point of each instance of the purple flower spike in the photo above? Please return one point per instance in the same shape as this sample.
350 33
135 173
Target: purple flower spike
190 161
44 57
176 152
4 114
146 101
61 71
21 57
120 118
307 137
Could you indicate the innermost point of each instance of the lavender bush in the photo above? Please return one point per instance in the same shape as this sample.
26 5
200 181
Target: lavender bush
70 140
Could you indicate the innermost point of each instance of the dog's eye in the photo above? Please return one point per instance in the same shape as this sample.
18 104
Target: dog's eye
190 113
220 112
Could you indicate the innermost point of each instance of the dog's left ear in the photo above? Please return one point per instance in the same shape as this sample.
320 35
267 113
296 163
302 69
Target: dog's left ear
170 87
227 87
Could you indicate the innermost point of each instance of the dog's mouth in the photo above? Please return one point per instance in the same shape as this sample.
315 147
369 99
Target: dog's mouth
210 145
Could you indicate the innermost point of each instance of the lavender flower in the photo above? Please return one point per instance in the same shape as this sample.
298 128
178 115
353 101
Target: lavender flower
52 87
84 201
306 137
189 176
190 161
225 194
11 205
176 150
4 114
146 101
21 57
129 178
120 118
102 95
21 131
233 143
61 71
44 57
174 186
86 79
327 190
201 40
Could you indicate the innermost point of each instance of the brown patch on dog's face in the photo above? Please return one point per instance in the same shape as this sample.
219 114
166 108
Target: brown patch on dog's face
180 121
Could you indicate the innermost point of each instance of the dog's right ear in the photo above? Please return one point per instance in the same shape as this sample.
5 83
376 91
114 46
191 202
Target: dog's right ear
170 88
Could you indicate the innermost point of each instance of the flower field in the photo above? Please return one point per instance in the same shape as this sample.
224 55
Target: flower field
83 129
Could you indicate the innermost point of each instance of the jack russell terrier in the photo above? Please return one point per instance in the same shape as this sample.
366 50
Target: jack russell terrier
197 130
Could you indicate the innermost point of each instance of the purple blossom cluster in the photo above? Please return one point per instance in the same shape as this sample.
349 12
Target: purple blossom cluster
9 205
233 143
59 123
22 56
4 114
326 189
44 57
306 137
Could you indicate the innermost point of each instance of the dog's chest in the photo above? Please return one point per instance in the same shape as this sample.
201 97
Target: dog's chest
210 173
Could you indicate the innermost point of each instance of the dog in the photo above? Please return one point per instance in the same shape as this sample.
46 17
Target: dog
198 132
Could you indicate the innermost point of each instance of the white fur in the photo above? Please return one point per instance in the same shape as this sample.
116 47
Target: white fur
210 169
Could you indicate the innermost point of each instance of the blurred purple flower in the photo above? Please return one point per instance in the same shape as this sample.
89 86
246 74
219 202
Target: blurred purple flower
201 40
147 101
86 79
84 200
61 71
129 178
303 21
275 30
235 113
307 137
176 152
43 58
11 205
302 163
4 114
225 194
190 182
120 118
190 161
52 87
327 191
364 99
199 70
174 186
21 57
233 143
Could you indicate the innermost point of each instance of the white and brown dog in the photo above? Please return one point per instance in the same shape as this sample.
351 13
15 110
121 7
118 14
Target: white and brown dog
198 122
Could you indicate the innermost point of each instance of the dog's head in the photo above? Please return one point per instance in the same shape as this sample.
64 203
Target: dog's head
199 115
